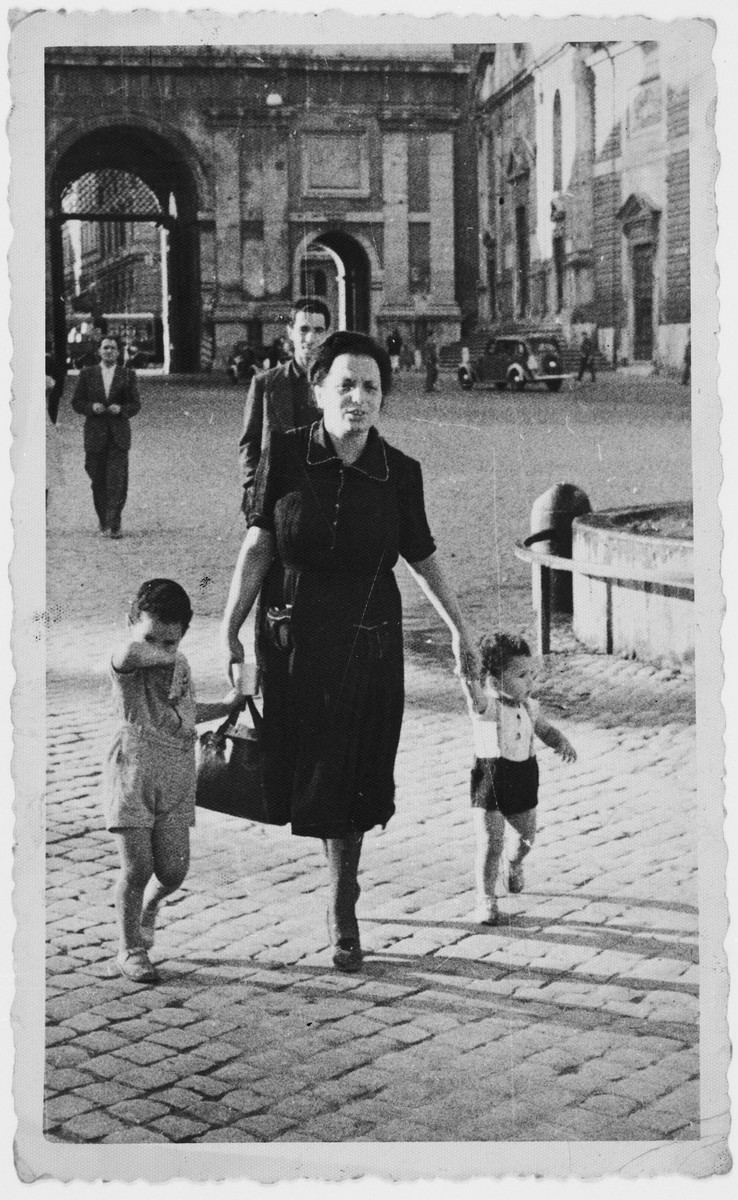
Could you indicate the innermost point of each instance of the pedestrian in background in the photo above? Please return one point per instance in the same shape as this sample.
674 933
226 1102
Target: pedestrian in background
394 347
282 398
687 364
107 396
54 463
431 363
586 358
504 778
150 776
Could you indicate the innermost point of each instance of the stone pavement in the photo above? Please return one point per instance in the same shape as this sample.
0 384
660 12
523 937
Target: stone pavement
575 1019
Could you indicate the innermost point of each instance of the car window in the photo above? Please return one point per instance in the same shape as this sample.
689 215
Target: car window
544 346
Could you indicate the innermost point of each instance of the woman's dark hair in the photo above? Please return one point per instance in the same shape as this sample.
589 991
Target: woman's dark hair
163 599
345 341
496 653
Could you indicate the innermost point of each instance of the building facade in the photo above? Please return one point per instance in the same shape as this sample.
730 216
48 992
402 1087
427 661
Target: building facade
584 192
275 168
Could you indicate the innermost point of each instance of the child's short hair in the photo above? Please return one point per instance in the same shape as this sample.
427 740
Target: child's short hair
164 599
496 652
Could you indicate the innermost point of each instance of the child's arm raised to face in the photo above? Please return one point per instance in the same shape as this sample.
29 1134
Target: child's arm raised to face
132 655
554 738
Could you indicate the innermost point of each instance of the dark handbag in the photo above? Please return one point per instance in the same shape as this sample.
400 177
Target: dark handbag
229 769
279 627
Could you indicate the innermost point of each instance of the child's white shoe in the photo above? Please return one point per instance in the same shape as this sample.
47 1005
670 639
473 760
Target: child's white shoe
136 965
486 912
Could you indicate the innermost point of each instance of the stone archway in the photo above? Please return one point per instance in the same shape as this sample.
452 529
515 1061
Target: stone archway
357 273
170 182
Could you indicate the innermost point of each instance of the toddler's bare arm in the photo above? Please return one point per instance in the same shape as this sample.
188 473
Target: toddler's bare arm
554 738
473 694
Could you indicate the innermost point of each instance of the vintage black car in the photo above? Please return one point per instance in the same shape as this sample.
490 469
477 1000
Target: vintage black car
516 361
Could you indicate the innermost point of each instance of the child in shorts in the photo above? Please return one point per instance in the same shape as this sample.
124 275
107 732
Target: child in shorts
150 771
504 778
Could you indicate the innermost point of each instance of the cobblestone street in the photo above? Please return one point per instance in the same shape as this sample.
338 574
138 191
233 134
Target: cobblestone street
575 1019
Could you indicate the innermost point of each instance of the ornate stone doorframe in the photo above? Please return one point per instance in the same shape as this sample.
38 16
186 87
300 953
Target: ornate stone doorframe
639 222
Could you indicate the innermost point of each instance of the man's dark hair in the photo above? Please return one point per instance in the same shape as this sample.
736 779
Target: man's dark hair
346 341
309 305
496 652
165 600
110 337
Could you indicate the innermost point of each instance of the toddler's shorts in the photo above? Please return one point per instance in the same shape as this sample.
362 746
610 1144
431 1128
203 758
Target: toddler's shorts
149 781
500 784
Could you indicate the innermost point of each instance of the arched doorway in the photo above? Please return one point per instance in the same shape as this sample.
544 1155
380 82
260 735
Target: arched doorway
117 180
352 275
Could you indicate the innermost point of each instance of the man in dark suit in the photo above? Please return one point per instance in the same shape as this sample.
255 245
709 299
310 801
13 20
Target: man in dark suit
282 398
107 397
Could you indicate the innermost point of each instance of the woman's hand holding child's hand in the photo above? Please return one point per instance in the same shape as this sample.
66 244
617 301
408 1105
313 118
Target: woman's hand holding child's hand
233 698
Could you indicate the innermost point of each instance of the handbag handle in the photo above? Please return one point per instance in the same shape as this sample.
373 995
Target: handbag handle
256 717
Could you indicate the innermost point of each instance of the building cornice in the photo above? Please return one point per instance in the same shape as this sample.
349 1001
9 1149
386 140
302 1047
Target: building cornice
257 59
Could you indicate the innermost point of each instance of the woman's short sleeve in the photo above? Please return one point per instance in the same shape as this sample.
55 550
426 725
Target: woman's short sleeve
415 540
268 484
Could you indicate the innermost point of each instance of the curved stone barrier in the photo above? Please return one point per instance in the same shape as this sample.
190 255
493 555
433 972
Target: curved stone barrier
638 599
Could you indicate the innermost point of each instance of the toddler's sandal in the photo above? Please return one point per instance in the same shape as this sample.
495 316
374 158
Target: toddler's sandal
136 965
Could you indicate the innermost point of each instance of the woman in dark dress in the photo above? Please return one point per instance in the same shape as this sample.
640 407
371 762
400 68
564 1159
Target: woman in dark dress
334 506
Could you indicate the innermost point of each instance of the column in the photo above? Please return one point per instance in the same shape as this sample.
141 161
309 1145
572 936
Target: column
396 259
441 150
227 154
275 208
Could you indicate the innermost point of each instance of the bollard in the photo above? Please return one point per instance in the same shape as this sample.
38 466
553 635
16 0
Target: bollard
553 513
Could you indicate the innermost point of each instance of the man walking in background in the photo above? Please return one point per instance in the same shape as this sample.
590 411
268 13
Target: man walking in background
431 363
586 358
107 397
281 398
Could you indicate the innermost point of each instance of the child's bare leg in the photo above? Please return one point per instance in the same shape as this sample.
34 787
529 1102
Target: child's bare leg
171 860
136 869
521 844
489 835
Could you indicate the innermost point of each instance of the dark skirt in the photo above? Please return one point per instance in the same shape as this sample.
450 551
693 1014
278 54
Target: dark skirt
333 704
504 785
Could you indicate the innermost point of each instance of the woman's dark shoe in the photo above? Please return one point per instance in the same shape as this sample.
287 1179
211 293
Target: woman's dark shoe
347 955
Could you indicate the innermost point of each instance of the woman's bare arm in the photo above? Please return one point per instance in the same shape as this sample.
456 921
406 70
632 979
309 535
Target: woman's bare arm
431 579
254 560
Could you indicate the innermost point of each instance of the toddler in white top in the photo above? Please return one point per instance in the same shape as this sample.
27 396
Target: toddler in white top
504 778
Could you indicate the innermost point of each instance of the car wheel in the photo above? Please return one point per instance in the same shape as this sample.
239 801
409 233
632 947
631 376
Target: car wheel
501 385
554 385
516 380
